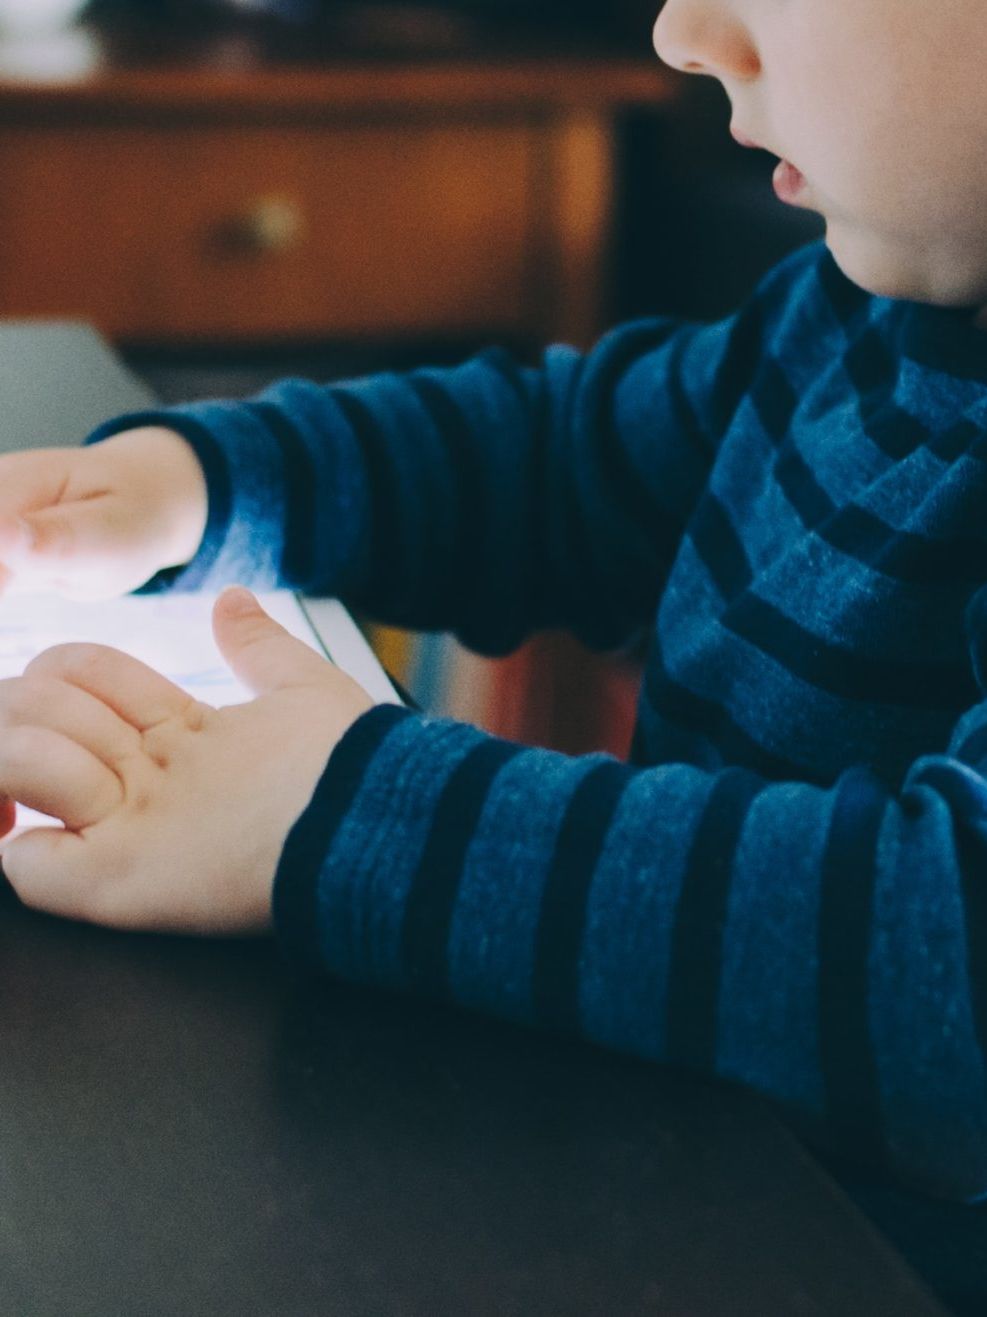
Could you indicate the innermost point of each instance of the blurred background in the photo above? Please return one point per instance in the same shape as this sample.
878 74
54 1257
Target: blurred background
235 190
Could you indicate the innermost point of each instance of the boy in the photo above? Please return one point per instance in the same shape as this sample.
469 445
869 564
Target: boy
787 886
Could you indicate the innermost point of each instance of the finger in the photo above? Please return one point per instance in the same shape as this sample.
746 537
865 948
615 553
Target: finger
8 814
37 700
30 480
76 541
13 548
139 695
49 773
262 654
48 869
15 538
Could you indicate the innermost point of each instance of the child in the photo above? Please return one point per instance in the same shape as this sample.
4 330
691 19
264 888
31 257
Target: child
787 885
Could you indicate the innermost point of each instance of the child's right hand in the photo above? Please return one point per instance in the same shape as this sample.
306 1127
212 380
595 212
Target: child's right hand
90 523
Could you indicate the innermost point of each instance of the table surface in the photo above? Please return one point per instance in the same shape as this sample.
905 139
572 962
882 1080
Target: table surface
188 1127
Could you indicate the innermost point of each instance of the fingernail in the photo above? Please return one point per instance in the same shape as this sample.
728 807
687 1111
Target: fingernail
238 599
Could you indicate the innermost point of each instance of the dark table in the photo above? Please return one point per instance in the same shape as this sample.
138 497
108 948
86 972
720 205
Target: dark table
186 1127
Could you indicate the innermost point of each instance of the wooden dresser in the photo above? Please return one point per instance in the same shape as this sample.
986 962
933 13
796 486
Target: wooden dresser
213 194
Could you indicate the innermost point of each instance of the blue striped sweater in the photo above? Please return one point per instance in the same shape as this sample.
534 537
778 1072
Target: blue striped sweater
786 885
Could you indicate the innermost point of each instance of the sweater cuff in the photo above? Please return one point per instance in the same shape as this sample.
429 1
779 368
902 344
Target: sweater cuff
245 521
219 493
368 875
295 908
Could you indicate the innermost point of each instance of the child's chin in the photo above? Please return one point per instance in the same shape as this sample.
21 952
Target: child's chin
898 273
875 271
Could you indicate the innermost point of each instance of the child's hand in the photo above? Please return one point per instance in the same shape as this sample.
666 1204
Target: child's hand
175 813
90 523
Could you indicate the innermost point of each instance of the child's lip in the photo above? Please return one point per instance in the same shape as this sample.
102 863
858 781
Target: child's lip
743 139
789 182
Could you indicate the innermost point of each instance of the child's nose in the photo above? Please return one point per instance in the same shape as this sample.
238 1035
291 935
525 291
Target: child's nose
705 36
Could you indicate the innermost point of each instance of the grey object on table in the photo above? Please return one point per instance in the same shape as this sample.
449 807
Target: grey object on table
187 1127
58 381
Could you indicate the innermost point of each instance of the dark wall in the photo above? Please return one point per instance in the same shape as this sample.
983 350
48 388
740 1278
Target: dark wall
620 21
699 221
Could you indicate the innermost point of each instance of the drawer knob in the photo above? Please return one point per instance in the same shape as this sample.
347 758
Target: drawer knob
271 224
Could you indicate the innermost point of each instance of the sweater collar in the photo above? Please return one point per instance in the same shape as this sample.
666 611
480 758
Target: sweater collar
943 339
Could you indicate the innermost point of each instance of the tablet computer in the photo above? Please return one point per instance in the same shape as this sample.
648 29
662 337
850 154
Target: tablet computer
172 633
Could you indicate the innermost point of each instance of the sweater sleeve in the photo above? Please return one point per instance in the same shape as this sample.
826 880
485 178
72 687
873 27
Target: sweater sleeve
824 947
489 500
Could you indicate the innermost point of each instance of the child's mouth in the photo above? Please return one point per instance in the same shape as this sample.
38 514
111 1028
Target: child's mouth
789 182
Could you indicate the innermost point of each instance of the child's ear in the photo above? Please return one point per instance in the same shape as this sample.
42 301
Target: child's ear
976 633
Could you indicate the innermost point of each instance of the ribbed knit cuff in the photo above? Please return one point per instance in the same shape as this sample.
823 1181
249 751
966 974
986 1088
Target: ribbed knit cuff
245 482
296 883
219 493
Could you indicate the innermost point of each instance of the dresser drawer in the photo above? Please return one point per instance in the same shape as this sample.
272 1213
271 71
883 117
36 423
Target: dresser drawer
252 233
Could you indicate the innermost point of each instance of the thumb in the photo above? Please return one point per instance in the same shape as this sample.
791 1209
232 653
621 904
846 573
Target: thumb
261 653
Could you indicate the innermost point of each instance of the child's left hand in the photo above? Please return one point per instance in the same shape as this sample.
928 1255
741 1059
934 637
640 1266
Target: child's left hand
175 813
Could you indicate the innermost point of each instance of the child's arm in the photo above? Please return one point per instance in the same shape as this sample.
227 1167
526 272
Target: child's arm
825 947
489 499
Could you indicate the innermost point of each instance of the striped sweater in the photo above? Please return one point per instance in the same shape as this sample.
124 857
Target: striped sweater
786 885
